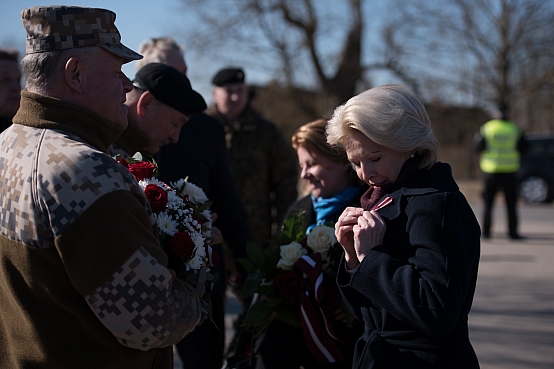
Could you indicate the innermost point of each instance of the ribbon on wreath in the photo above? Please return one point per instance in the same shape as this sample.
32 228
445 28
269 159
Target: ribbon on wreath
320 338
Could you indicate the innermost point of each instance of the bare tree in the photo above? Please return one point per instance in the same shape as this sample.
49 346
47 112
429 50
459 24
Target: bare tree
302 43
478 52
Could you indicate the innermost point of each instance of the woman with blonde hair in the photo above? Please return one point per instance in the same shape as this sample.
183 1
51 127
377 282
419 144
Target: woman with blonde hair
411 250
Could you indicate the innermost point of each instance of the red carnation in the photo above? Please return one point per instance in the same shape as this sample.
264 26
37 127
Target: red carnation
290 284
157 197
182 244
142 170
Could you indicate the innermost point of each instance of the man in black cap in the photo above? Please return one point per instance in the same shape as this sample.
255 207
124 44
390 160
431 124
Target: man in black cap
161 102
201 155
85 283
264 163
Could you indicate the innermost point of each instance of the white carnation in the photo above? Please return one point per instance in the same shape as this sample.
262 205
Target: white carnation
165 223
173 200
177 184
207 214
195 262
195 193
198 240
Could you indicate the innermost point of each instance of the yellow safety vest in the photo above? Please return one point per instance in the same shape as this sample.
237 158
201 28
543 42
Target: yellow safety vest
501 154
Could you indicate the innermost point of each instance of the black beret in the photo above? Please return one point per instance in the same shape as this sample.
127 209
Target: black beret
171 87
227 76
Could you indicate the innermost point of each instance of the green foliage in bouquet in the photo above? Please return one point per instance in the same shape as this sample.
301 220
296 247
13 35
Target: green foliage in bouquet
275 280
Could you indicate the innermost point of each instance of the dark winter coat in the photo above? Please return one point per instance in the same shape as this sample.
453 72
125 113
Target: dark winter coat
414 292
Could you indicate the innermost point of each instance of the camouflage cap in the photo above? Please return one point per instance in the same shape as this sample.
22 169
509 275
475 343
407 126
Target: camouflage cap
53 28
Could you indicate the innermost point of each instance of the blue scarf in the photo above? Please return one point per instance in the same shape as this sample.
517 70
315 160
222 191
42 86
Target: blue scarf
328 209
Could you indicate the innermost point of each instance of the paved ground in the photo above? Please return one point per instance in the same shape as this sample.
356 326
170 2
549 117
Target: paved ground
512 319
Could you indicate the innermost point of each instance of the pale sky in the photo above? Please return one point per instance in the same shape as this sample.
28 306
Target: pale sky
136 20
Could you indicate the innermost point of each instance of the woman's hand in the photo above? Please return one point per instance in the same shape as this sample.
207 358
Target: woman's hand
368 233
344 231
358 231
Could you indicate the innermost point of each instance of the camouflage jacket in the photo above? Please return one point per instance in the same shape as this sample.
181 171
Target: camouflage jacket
265 167
84 280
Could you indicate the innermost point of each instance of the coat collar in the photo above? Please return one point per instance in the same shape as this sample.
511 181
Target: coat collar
436 179
41 111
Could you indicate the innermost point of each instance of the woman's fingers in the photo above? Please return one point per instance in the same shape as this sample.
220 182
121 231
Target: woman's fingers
350 215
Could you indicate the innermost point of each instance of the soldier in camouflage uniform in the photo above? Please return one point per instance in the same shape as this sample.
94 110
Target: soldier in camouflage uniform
264 164
84 281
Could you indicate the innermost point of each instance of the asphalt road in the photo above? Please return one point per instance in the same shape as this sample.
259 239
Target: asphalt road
511 324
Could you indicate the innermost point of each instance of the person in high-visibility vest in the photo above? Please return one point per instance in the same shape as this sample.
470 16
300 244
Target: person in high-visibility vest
500 142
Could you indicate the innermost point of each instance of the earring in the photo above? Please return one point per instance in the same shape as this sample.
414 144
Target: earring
412 156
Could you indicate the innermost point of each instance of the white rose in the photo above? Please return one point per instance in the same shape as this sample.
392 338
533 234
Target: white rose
290 254
321 238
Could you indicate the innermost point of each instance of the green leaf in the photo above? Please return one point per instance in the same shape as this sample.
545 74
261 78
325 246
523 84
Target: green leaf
251 284
190 279
258 313
255 253
247 264
209 277
215 277
202 275
261 328
200 289
201 207
270 291
293 226
290 317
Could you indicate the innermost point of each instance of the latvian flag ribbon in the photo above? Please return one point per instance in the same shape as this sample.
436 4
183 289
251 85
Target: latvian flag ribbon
319 335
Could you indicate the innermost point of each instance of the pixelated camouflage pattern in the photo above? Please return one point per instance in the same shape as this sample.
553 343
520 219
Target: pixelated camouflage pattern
49 178
265 168
67 27
144 325
37 207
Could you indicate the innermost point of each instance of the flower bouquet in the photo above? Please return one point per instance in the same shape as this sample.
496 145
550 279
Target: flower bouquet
293 281
183 216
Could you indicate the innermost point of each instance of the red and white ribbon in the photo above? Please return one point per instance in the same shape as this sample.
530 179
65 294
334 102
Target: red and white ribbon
381 204
320 338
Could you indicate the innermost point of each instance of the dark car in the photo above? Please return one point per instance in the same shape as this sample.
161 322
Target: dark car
536 175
